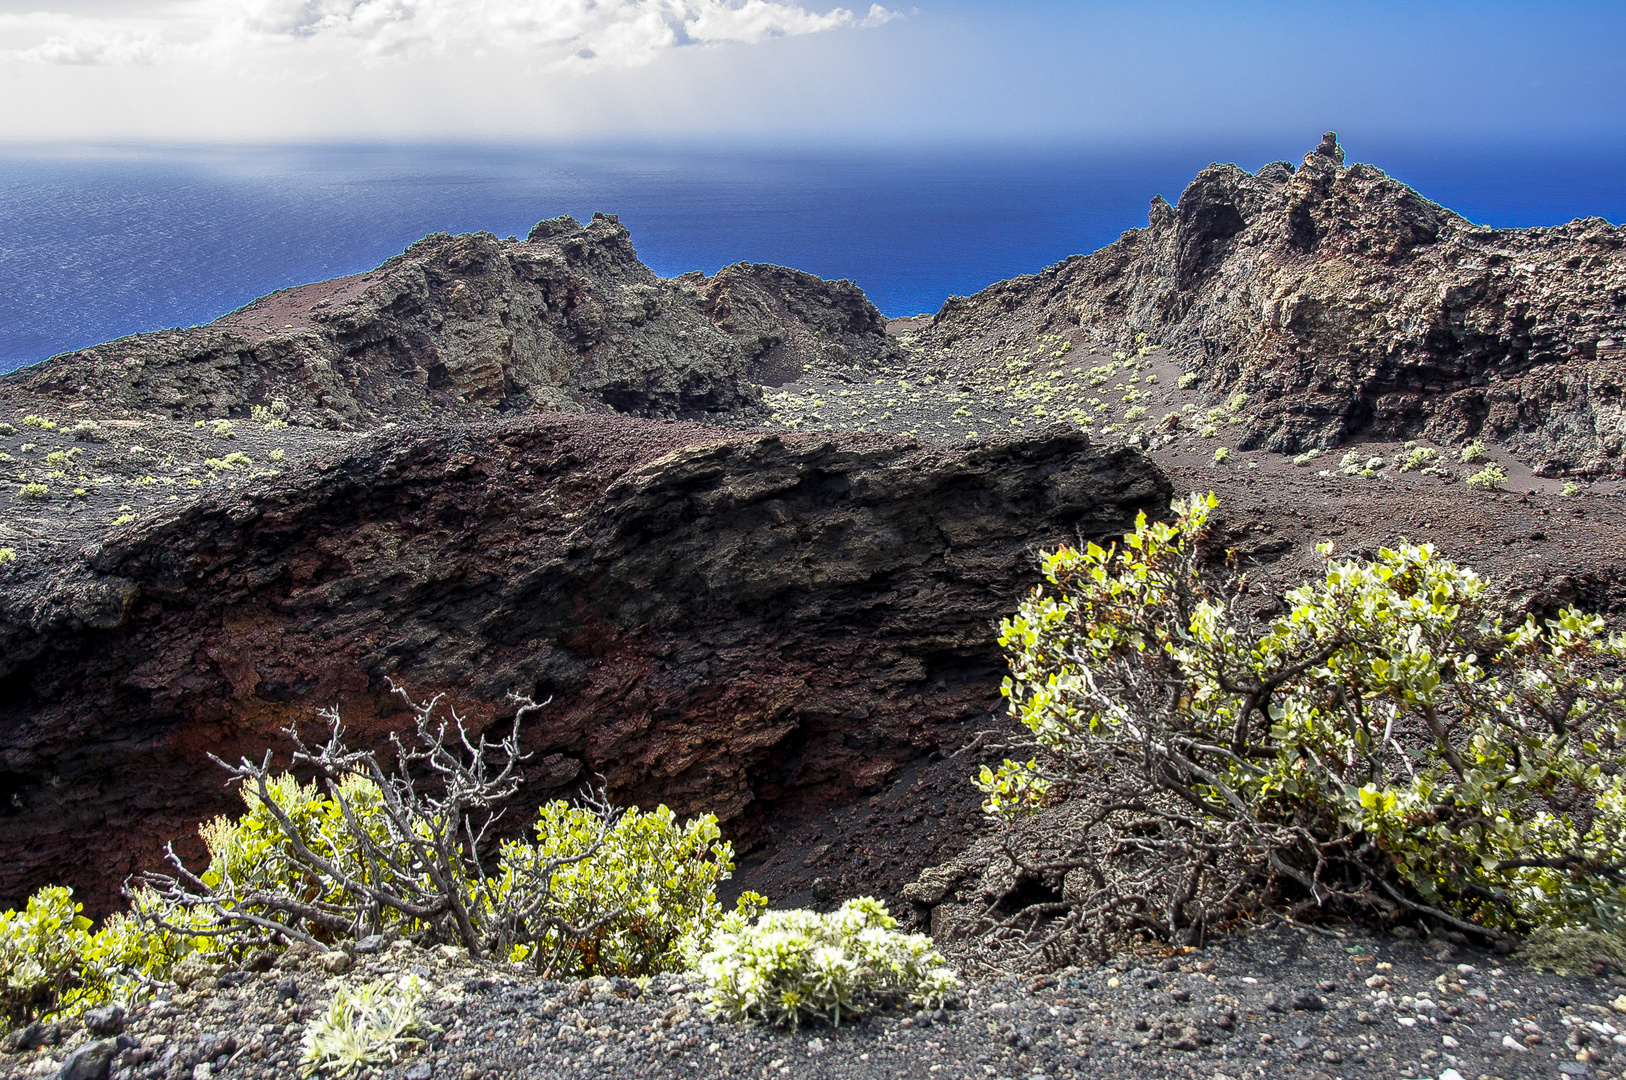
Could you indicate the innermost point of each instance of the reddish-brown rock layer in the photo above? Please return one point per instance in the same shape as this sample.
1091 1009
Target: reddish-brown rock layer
725 623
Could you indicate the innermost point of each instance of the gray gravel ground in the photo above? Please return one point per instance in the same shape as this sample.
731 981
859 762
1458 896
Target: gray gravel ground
1272 1003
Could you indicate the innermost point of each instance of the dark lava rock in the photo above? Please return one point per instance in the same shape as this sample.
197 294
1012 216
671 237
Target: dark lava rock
739 624
106 1021
91 1061
1344 303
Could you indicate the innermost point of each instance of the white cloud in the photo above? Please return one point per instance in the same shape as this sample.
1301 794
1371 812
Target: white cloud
573 35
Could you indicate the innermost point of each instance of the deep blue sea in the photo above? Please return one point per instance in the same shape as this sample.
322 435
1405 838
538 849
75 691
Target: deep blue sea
97 242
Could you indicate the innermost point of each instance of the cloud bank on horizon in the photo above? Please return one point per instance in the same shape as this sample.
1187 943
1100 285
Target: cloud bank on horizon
559 34
948 71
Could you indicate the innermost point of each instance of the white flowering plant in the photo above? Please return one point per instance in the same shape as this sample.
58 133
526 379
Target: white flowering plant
788 967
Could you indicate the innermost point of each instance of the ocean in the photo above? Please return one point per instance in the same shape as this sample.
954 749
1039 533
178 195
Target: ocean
101 241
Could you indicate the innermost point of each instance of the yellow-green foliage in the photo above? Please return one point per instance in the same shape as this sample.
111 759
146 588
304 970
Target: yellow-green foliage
786 967
654 877
39 422
52 965
231 461
1474 452
7 555
371 1024
34 491
1187 381
1387 703
1490 478
248 855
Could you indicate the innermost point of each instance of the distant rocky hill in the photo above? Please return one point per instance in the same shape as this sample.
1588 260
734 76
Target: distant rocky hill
1344 303
567 319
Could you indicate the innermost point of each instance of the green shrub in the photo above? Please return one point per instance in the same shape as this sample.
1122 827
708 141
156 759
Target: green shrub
39 422
1413 457
231 461
1134 413
1221 456
1474 452
787 967
1383 742
1490 478
1305 458
648 885
1208 431
52 966
1187 381
34 491
1569 490
1238 401
7 555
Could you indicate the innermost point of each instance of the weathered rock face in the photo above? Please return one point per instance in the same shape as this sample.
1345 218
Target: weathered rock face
725 623
789 320
1343 302
567 319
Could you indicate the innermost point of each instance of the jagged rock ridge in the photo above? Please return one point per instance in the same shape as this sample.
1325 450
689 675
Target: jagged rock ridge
565 320
1345 303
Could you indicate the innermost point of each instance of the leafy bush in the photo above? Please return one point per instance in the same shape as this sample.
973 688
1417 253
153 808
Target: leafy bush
370 1024
1413 457
1238 401
1474 452
786 967
87 431
620 902
370 849
1570 489
1305 458
1383 744
53 966
1221 456
39 422
7 555
1208 431
1490 478
34 491
1134 413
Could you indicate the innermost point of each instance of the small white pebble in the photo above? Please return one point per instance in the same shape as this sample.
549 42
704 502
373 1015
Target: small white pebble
1406 1021
1449 1043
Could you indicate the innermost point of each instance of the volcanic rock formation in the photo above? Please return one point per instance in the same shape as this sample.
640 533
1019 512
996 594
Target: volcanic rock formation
733 624
1345 303
565 320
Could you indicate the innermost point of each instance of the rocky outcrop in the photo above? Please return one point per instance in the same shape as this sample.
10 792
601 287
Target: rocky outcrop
790 321
1344 303
567 319
740 624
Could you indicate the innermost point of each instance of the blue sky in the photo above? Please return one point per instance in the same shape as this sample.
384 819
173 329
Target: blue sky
954 70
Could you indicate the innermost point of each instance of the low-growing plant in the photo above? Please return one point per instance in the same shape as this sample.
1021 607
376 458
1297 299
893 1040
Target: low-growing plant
1413 457
1383 744
34 491
7 555
371 1024
1238 401
787 967
87 431
278 454
1491 477
226 464
1305 458
39 422
1134 413
1474 452
1570 489
1208 431
1221 456
1187 381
